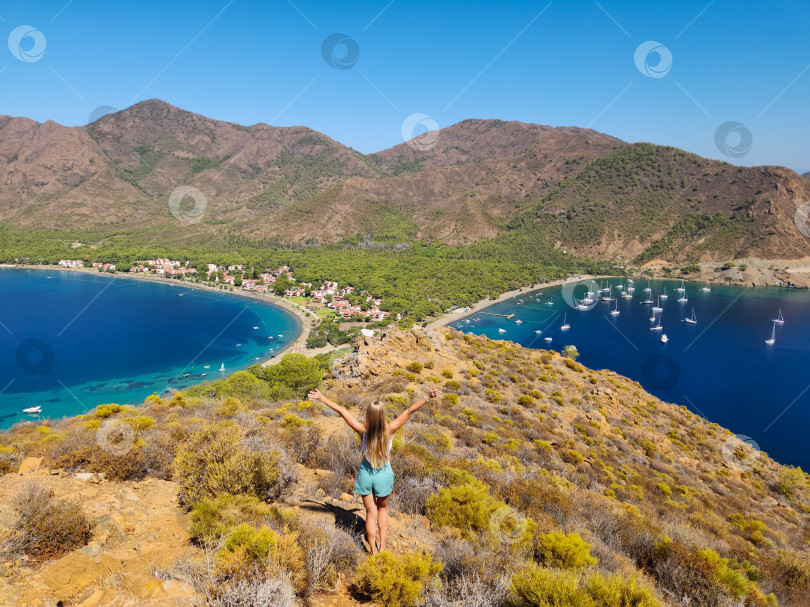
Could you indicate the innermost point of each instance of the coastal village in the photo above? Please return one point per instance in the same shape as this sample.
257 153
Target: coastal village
328 293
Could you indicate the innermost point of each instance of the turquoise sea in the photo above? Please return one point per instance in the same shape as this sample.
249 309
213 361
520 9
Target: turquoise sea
719 367
70 341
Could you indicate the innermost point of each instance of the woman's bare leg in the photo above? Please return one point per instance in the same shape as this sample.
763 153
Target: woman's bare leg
382 519
371 521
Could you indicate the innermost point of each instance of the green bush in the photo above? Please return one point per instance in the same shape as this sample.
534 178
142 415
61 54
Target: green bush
467 506
556 549
216 518
415 367
620 591
538 587
494 396
214 461
535 586
397 581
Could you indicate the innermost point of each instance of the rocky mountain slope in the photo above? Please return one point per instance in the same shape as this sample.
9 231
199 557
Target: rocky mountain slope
533 481
474 180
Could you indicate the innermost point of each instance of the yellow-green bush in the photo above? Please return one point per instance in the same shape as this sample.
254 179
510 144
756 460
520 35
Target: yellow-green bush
494 396
556 549
536 586
397 581
212 519
213 462
105 411
245 551
466 506
292 420
415 367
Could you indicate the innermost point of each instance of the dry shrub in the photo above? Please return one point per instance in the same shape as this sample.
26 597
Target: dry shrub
253 592
217 460
302 443
341 456
328 551
159 452
48 526
124 467
469 592
412 493
290 557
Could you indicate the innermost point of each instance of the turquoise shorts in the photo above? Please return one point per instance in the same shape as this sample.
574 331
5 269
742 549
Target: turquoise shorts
379 481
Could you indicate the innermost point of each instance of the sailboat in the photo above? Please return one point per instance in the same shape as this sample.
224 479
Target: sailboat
609 296
615 310
565 326
647 289
657 307
657 327
693 319
779 320
772 339
222 367
705 289
683 298
681 289
664 294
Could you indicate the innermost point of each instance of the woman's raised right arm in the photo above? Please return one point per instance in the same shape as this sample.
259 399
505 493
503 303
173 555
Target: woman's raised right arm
348 417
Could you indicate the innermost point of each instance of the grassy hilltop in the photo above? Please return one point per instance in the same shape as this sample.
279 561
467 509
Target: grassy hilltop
533 482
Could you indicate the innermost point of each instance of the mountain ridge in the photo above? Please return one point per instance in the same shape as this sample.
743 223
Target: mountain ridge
477 179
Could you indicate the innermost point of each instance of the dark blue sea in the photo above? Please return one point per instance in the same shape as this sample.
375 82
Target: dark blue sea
720 367
70 341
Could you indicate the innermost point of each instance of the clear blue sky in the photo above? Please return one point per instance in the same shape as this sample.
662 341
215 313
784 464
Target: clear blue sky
249 62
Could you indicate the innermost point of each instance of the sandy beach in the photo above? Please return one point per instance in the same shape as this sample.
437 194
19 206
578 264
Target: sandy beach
485 303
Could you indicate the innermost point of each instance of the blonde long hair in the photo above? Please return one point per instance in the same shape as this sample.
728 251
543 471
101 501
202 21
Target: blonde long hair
376 435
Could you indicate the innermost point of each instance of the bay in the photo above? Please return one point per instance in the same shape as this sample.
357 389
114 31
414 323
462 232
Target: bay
720 367
70 341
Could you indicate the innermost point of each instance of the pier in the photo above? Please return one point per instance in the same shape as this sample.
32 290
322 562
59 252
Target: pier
507 316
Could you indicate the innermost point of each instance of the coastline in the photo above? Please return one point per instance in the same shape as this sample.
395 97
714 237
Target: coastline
447 318
302 316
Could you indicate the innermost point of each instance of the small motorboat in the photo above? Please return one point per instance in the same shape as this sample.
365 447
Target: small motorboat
548 339
518 321
501 330
32 410
255 328
538 332
207 367
664 338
